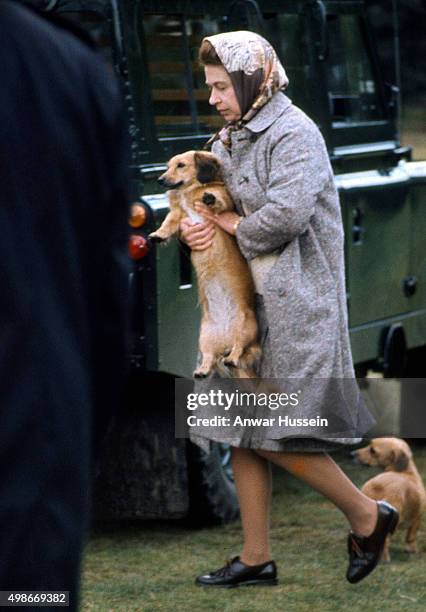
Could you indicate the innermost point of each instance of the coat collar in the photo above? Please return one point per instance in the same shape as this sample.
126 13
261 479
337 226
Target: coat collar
269 113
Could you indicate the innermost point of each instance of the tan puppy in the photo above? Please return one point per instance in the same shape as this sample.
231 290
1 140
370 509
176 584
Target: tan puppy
401 484
228 334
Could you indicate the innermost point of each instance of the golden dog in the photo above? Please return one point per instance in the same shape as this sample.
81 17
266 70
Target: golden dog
228 333
401 484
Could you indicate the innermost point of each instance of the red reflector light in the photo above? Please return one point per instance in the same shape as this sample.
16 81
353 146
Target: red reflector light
138 247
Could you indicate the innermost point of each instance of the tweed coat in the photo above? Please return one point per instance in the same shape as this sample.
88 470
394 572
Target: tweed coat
280 171
279 174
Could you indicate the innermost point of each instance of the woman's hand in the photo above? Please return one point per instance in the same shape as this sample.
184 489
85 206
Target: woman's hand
225 220
198 236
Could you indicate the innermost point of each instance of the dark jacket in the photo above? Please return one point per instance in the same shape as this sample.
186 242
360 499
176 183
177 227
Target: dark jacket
63 286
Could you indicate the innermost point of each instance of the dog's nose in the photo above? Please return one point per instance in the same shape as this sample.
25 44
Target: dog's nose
162 180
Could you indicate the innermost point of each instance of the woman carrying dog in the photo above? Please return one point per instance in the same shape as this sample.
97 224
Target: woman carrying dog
288 226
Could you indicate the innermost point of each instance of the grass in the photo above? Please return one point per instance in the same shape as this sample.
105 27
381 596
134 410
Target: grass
152 566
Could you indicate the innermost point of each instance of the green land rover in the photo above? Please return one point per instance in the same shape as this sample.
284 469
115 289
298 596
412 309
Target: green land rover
327 48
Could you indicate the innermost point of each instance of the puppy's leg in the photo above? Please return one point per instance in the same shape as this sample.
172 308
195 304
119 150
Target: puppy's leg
206 365
410 538
385 554
168 228
233 359
206 350
244 334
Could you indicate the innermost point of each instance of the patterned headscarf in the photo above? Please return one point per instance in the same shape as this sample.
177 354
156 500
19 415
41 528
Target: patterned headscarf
256 74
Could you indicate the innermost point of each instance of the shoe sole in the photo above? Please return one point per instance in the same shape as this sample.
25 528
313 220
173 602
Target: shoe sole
392 526
271 582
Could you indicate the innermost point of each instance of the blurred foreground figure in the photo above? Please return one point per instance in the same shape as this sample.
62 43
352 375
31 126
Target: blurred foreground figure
63 289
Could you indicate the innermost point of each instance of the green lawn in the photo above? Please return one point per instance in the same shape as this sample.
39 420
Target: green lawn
152 566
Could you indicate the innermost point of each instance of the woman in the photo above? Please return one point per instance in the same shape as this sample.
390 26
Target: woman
288 226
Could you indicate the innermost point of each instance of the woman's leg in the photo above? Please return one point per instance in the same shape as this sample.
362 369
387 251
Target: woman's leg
252 474
321 472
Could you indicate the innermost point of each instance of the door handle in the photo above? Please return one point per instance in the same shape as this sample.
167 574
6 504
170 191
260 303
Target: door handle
357 229
409 285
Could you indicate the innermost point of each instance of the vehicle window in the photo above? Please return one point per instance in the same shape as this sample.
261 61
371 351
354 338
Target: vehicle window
180 96
179 93
351 83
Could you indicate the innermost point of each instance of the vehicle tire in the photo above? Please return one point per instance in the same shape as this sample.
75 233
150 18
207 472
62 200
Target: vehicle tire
212 494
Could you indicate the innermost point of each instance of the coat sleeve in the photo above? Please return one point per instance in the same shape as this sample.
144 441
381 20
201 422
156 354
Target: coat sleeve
299 169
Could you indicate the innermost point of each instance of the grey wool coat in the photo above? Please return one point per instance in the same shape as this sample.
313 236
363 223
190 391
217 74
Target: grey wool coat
279 175
280 170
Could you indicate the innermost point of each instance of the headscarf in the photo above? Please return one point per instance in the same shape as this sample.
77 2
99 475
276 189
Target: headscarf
255 71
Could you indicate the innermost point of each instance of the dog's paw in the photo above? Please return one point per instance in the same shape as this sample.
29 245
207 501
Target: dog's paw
233 359
203 370
231 363
411 548
153 238
208 198
201 373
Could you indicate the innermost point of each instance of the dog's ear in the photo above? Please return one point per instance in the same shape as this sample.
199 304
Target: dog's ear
207 167
400 460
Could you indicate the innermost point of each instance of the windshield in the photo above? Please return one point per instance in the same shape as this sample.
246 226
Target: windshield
179 94
352 86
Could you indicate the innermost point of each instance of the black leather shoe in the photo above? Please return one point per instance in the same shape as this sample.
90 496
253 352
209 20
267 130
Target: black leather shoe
365 552
236 573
